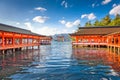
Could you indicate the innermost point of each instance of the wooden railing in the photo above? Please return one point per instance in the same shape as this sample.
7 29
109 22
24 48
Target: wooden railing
18 46
92 43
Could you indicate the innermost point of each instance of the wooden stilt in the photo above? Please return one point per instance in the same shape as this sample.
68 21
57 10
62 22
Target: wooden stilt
114 49
118 50
3 59
13 50
32 47
38 47
3 52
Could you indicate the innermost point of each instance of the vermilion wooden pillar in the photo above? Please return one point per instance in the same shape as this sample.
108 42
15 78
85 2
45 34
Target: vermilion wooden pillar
3 40
118 44
114 44
20 40
118 40
13 39
27 40
77 39
110 42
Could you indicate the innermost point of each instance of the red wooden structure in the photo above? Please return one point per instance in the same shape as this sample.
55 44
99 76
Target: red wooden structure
108 36
12 37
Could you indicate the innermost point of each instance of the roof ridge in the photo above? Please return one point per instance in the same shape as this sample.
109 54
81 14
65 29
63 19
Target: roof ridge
13 27
99 27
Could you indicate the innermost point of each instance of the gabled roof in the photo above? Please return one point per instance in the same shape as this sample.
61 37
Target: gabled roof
8 28
97 30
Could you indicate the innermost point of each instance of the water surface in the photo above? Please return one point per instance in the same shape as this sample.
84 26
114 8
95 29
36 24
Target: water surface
59 61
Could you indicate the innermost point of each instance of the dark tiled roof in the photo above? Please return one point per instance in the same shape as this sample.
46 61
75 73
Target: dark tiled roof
8 28
97 30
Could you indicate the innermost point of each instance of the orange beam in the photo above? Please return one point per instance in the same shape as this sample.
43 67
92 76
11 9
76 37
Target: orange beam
9 40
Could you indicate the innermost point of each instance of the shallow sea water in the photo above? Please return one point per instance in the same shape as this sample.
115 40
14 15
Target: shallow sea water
59 61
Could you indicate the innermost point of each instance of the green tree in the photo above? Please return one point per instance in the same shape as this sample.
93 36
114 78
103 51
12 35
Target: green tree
96 23
88 24
105 21
115 21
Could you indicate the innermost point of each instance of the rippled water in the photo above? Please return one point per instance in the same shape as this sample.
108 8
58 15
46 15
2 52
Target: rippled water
59 61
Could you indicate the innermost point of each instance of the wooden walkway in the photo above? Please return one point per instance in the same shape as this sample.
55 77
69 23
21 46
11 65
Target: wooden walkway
12 38
98 36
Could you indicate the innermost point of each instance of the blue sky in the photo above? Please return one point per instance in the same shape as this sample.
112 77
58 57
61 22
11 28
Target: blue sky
50 17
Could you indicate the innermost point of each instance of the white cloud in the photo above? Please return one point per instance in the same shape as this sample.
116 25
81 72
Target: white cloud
28 25
41 30
40 19
114 5
47 31
73 31
62 21
41 9
84 15
106 2
50 31
93 5
115 10
90 16
64 3
17 23
76 22
70 24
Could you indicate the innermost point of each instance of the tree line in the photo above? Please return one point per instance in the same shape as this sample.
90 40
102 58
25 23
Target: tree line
106 21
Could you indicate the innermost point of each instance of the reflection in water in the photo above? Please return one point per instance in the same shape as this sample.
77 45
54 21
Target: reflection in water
100 60
60 62
16 58
11 62
98 57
